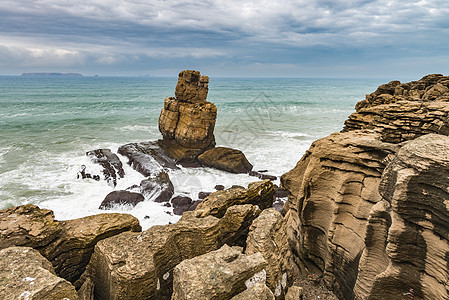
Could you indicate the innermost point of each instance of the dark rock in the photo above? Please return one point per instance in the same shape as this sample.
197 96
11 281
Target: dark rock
202 195
181 209
278 205
262 171
195 204
146 217
262 176
219 187
280 192
121 198
235 186
167 204
147 158
158 188
226 159
181 201
112 166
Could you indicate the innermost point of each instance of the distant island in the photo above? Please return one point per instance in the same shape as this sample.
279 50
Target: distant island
51 75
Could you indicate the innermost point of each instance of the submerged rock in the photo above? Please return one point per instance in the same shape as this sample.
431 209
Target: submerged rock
187 122
26 274
218 274
226 159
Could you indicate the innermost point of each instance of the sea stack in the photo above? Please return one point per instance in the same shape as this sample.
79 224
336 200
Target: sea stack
187 121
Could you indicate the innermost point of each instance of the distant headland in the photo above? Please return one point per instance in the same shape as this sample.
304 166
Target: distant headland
51 75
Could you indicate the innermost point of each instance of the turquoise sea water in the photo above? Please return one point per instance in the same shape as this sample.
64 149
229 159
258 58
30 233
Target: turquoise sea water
47 125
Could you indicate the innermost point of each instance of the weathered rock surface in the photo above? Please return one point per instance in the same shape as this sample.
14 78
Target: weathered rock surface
294 293
26 274
112 166
28 225
140 265
332 190
258 193
258 291
71 251
226 159
121 198
415 184
147 158
218 274
267 236
402 112
187 122
67 244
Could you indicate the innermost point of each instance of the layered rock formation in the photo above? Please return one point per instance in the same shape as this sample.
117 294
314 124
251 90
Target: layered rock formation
339 225
187 122
26 274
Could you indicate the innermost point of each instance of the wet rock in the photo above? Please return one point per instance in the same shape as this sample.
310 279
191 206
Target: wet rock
140 265
262 176
158 188
226 159
26 274
218 274
112 166
202 195
180 201
280 192
121 198
147 158
258 193
187 122
219 187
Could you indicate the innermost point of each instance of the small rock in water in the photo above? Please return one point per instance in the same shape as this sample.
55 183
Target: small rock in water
202 195
219 187
166 204
121 197
181 201
146 217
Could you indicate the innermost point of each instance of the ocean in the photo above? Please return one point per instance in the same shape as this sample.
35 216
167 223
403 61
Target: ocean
48 124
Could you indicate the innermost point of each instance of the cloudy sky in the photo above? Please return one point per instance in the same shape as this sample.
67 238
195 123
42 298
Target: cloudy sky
276 38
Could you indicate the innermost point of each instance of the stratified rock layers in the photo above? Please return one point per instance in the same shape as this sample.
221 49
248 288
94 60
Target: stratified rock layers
187 122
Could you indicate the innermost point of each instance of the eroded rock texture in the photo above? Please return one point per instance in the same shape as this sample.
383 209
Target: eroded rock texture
401 112
218 274
68 245
140 265
26 274
187 122
339 225
415 260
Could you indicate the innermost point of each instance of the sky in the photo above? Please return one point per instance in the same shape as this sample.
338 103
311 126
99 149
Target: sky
227 38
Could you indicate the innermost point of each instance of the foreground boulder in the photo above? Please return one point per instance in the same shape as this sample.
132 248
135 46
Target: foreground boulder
187 122
140 265
219 274
26 274
226 159
258 291
67 244
412 226
258 193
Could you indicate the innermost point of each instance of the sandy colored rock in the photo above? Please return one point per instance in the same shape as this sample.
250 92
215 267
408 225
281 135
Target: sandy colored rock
259 193
28 225
331 192
187 122
258 291
267 235
218 274
415 184
226 159
140 265
26 274
294 293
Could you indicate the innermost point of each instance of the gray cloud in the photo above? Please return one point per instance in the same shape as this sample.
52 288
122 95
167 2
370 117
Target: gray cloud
144 35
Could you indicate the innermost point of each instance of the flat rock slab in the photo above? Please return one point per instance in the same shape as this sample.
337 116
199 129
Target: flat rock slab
26 274
219 274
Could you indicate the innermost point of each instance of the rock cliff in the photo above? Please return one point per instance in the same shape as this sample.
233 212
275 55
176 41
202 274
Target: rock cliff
366 207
